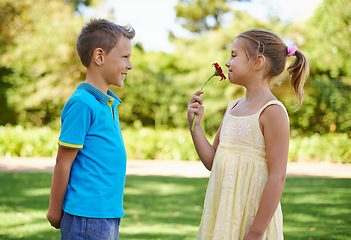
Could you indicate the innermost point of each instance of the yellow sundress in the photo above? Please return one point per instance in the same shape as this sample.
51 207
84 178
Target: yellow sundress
238 177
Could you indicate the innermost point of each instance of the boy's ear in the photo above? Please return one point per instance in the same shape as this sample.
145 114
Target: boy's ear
98 56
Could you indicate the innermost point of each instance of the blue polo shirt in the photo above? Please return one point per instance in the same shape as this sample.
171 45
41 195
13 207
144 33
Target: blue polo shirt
90 123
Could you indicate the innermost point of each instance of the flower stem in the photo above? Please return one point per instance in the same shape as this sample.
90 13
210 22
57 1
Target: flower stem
192 127
202 87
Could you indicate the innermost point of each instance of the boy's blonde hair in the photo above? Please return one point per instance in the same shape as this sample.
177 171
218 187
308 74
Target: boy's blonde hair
269 44
100 33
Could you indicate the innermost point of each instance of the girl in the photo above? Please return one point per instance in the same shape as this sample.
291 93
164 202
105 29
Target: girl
249 154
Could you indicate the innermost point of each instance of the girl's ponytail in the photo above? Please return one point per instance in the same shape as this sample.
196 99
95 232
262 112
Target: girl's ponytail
298 72
269 44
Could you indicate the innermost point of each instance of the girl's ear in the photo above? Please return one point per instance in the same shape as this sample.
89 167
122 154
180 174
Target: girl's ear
98 56
260 62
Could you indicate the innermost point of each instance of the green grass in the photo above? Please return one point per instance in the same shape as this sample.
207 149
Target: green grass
170 208
317 208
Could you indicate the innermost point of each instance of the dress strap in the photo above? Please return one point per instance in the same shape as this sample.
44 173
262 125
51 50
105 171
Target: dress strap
232 104
273 102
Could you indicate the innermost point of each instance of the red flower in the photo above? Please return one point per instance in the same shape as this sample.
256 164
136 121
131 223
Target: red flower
219 71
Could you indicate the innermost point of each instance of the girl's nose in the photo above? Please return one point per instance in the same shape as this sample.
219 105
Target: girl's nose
129 66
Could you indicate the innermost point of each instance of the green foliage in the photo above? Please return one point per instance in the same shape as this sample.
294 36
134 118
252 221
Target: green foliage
167 144
42 60
170 208
196 15
151 95
328 106
76 3
10 20
329 147
171 144
10 116
327 39
144 143
39 69
34 142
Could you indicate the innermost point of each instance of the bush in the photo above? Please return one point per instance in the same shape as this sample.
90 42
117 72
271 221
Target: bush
171 144
329 147
144 143
167 144
34 142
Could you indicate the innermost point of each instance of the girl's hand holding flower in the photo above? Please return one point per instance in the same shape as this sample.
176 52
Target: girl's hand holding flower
193 104
195 108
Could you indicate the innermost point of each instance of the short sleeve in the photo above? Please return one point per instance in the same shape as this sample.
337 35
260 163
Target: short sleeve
75 123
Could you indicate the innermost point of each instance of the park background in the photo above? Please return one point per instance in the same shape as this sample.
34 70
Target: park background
39 70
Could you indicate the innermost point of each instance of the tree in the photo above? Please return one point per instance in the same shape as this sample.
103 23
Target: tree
76 3
10 21
44 66
325 40
329 48
202 15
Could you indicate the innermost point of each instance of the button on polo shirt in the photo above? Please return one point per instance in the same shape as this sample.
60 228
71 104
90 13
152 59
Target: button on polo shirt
90 123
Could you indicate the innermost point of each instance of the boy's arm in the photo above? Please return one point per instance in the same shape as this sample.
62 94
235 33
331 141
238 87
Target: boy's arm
64 161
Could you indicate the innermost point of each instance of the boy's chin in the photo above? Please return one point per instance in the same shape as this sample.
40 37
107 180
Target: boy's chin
118 84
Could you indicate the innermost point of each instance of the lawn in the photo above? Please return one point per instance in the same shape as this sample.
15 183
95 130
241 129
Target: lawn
170 207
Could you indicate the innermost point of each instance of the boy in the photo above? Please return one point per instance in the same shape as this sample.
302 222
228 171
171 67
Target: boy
86 199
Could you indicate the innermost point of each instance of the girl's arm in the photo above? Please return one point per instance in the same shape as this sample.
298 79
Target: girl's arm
204 149
62 170
276 132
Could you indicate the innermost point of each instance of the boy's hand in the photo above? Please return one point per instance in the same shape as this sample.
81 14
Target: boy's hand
54 220
195 106
60 179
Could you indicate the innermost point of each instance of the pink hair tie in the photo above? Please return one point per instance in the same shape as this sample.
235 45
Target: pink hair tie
291 50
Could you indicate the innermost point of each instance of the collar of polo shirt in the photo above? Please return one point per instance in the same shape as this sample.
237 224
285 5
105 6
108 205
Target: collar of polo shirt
102 97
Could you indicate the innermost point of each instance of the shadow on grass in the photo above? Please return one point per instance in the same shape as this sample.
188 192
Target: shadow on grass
317 208
24 199
156 207
162 207
170 207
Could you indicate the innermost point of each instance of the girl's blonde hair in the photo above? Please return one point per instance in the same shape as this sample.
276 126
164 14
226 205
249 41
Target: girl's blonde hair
275 50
